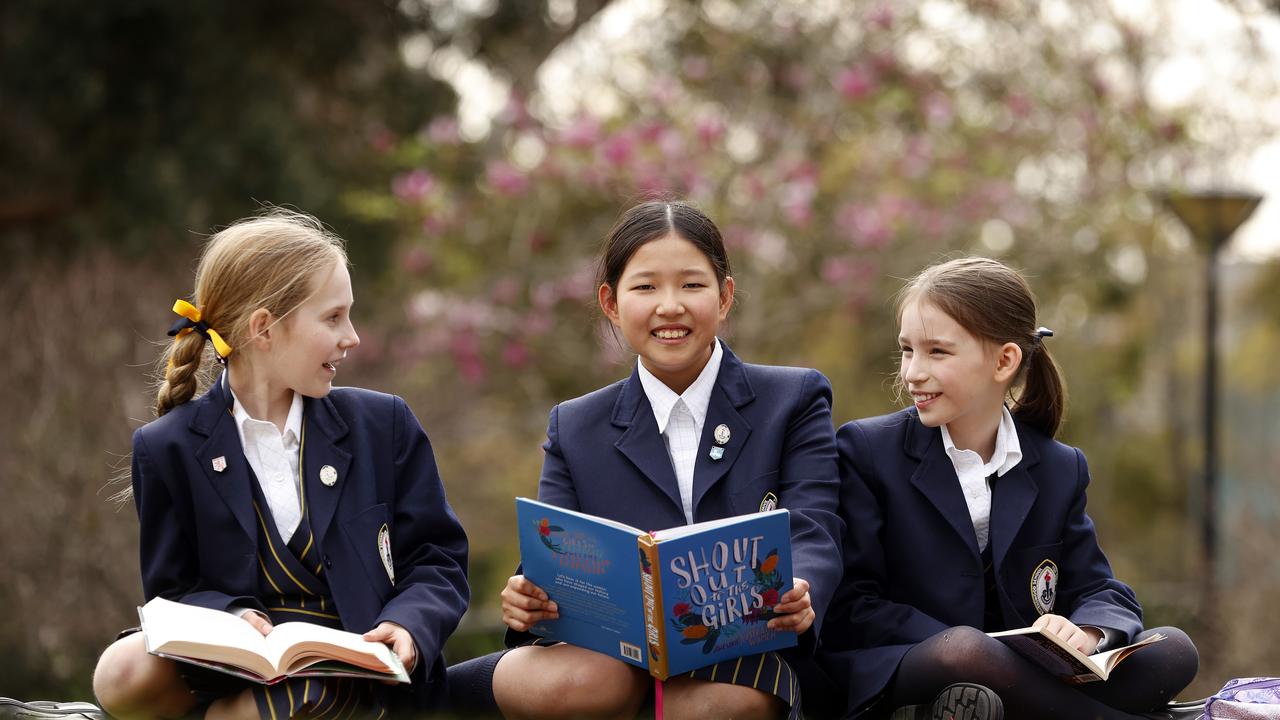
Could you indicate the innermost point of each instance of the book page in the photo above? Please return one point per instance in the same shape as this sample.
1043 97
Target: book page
1051 656
181 631
296 645
165 621
1111 658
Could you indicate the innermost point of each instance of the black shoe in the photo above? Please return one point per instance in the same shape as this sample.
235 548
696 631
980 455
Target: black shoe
1193 710
962 701
48 710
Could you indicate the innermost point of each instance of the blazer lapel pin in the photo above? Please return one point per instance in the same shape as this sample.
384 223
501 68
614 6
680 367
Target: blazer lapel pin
721 436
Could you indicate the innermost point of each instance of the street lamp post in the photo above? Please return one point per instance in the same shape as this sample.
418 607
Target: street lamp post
1211 217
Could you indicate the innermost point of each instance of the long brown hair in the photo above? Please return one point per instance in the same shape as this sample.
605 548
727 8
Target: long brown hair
272 261
994 302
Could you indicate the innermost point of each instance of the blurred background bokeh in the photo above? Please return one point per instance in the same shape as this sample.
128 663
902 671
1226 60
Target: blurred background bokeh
473 153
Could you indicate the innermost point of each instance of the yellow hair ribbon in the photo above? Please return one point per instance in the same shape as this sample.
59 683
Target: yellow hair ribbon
191 315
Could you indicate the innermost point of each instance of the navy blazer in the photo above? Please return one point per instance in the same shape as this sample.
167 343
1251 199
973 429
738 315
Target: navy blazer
604 456
198 527
912 566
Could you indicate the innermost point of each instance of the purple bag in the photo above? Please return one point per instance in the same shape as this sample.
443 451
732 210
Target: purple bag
1246 699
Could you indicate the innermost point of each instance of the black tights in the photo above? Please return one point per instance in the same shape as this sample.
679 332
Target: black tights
470 686
1144 682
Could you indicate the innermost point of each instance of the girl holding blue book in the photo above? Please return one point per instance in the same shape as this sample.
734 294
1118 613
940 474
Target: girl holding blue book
693 434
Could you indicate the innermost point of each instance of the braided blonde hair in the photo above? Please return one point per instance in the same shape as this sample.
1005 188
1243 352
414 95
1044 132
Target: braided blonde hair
269 261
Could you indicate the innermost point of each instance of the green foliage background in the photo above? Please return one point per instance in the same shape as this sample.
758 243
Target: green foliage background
841 147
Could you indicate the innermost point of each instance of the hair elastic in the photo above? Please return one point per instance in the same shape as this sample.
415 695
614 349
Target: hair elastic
1040 334
190 321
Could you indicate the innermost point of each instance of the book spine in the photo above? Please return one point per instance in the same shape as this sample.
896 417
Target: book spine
654 630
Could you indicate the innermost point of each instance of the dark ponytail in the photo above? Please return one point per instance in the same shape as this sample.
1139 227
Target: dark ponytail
1041 402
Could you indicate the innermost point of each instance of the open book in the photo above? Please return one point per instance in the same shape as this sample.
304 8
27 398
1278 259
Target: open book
224 642
1055 655
669 601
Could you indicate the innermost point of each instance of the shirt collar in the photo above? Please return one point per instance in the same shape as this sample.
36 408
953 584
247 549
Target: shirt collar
292 425
1008 452
697 397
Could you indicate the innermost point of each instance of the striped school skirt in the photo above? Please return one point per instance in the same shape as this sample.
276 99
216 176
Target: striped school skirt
767 672
329 698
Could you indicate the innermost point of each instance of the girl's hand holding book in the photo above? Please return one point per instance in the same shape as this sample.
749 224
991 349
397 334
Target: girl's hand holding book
398 639
794 608
1083 639
525 604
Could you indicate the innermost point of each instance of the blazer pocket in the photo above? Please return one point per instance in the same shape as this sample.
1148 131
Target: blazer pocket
1034 576
757 494
370 536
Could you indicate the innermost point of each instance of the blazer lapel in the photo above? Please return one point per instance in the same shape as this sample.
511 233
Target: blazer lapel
1012 496
935 477
731 392
640 442
213 419
323 428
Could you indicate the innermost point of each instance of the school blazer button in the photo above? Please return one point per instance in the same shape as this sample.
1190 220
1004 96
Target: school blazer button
328 562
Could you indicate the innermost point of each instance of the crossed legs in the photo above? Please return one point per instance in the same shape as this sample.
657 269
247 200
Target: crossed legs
132 685
1145 681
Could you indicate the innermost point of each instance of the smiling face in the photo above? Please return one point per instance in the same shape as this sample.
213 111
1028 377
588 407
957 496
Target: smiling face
312 341
669 307
955 378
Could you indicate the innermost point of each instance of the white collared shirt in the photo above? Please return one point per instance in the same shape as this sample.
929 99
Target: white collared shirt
973 473
680 419
274 457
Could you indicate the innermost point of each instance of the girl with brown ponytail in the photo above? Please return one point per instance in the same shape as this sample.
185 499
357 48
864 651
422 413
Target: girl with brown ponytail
277 497
965 516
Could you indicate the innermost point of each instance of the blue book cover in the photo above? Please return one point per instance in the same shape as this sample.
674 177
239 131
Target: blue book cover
671 601
718 583
590 567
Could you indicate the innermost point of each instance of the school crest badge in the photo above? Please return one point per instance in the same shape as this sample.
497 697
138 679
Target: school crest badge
770 502
384 550
1044 586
